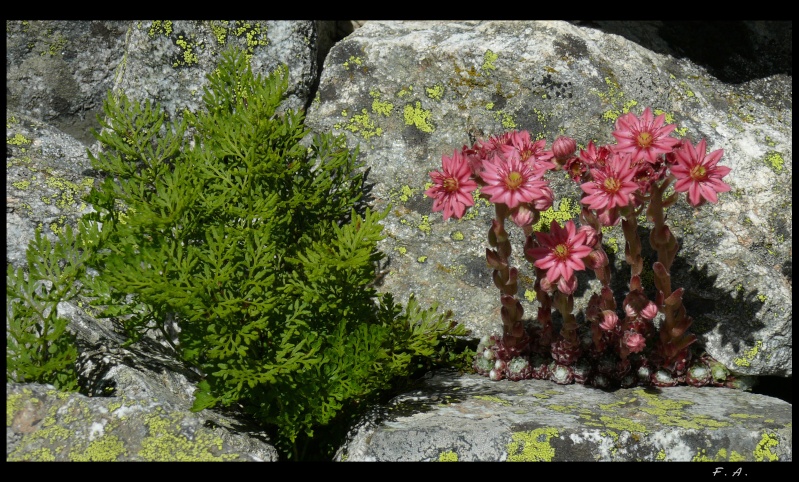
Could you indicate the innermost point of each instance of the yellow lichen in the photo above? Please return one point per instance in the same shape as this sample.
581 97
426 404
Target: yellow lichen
435 92
488 60
107 448
18 140
567 210
448 456
775 161
763 450
378 107
532 446
418 117
489 398
749 355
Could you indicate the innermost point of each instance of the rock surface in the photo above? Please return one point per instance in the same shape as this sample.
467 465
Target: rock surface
406 93
43 424
410 92
470 418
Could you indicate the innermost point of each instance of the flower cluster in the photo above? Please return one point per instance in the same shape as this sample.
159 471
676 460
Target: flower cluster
613 347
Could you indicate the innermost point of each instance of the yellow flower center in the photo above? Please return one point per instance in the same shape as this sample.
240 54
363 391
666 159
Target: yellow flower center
525 154
451 184
561 251
612 185
514 180
645 139
698 173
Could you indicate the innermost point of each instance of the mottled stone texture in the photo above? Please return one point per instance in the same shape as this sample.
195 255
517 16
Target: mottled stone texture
410 92
406 93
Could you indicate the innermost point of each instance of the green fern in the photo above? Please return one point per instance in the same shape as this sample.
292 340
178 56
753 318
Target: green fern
261 248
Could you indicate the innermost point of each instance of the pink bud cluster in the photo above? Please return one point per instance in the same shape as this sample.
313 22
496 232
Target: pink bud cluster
618 182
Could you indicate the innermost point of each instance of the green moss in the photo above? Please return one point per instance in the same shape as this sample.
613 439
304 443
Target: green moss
448 456
401 249
456 236
763 450
21 184
532 446
661 455
749 355
489 106
418 117
529 295
421 259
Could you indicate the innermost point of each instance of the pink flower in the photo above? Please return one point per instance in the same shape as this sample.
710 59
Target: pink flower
561 252
698 173
635 341
512 182
453 187
644 137
593 156
612 184
521 146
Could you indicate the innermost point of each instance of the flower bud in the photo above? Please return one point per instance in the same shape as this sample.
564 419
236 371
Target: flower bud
547 285
634 341
596 259
567 286
495 375
563 148
591 236
544 202
630 311
609 320
650 311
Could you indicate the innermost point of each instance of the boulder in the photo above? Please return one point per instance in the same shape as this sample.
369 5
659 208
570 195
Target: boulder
409 92
453 417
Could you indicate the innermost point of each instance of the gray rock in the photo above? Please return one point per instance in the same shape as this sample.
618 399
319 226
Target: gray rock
469 418
410 92
47 174
60 71
135 406
43 424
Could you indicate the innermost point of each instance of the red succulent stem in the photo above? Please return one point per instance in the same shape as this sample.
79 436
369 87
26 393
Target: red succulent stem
661 238
506 280
565 305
